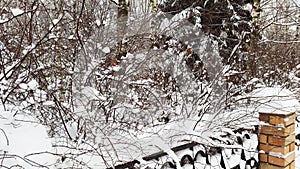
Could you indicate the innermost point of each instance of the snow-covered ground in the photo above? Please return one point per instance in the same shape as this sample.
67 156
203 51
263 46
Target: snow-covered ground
25 143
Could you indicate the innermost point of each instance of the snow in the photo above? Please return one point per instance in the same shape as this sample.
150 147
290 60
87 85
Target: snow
116 68
275 100
33 84
28 49
90 93
293 76
72 129
23 86
24 140
48 103
35 139
276 154
16 11
30 138
174 134
280 155
3 20
106 50
98 22
55 21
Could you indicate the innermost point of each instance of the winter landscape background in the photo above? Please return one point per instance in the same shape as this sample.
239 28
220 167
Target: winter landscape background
96 84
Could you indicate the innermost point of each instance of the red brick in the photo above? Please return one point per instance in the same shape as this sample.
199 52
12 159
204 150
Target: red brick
281 141
292 165
269 166
284 120
278 131
264 117
263 157
292 146
269 148
282 162
263 138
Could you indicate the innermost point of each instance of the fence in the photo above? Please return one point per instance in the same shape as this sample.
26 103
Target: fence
271 145
198 156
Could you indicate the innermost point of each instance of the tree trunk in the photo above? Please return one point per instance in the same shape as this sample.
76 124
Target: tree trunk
153 9
121 24
153 6
251 66
122 18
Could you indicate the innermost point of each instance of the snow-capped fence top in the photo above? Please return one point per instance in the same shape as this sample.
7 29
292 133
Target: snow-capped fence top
275 100
239 153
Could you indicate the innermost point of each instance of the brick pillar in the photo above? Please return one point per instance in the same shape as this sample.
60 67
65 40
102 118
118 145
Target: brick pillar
277 141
